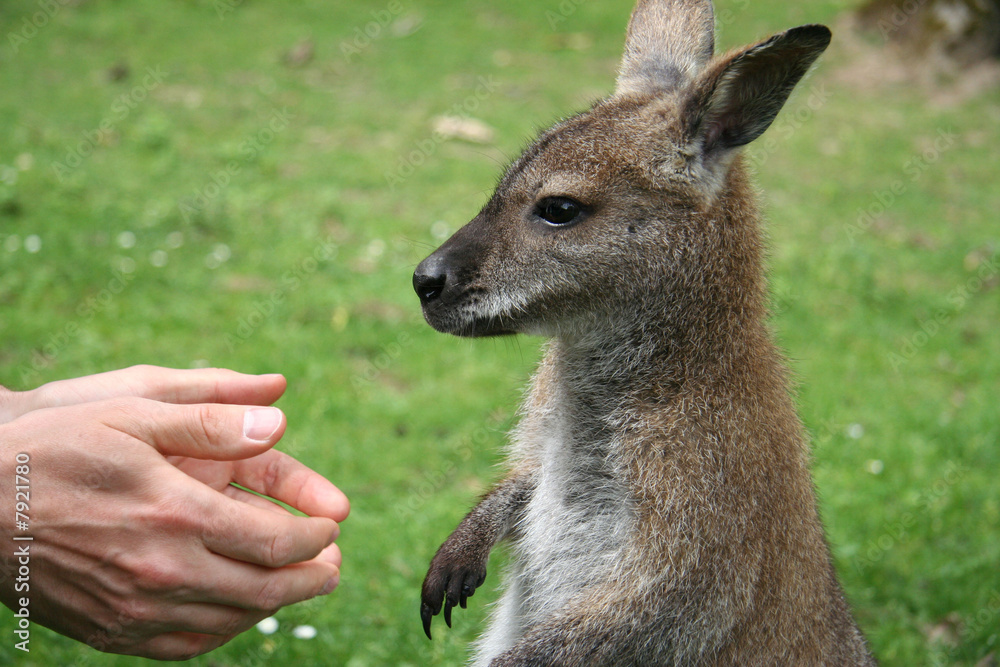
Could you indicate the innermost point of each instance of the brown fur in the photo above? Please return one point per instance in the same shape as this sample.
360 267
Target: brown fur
660 507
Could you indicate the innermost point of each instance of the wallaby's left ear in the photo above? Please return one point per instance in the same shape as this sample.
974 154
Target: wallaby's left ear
733 101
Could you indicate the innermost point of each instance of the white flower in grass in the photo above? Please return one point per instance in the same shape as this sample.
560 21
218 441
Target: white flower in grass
304 632
268 626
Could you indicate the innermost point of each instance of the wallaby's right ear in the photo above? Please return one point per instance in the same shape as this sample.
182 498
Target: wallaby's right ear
737 98
668 44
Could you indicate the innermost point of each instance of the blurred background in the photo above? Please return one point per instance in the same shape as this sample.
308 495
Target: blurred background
251 184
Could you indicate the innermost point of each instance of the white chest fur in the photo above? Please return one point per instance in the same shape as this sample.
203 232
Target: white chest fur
576 525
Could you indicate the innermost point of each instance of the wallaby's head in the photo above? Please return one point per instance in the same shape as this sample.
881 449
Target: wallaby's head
634 204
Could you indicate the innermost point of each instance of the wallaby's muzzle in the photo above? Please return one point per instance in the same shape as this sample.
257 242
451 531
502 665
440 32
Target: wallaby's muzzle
446 283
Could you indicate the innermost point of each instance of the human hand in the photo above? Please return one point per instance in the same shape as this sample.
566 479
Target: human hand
169 385
135 553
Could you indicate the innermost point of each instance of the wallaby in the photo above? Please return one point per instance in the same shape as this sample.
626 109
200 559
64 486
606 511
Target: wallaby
659 503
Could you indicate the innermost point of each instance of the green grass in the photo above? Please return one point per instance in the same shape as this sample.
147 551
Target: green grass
410 423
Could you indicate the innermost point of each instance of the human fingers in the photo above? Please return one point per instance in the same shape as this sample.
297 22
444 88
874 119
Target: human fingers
173 646
208 431
245 586
268 538
254 500
203 385
225 432
282 477
273 474
262 536
332 554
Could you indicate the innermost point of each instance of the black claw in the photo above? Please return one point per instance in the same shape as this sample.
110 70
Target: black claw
467 592
426 615
455 586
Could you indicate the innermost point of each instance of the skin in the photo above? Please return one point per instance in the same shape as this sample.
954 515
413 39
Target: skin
142 545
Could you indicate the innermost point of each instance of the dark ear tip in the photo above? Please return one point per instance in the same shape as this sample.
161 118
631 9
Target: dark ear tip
814 35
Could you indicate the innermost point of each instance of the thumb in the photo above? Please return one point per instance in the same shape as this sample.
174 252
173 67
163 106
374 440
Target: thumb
202 431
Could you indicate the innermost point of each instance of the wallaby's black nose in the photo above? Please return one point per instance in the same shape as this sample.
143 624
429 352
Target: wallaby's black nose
428 288
429 279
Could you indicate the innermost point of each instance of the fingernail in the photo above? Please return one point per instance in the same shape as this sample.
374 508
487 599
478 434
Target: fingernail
330 585
260 423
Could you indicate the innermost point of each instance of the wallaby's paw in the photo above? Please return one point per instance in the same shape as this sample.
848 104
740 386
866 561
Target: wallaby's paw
451 581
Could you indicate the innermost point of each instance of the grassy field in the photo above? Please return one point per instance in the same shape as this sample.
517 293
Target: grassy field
250 185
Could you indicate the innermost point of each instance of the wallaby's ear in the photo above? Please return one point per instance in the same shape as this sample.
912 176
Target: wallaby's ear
736 99
668 44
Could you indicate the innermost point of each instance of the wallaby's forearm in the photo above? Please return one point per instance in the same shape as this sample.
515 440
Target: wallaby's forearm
459 567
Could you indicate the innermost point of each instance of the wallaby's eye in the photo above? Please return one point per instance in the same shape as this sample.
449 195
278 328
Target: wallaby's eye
559 211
